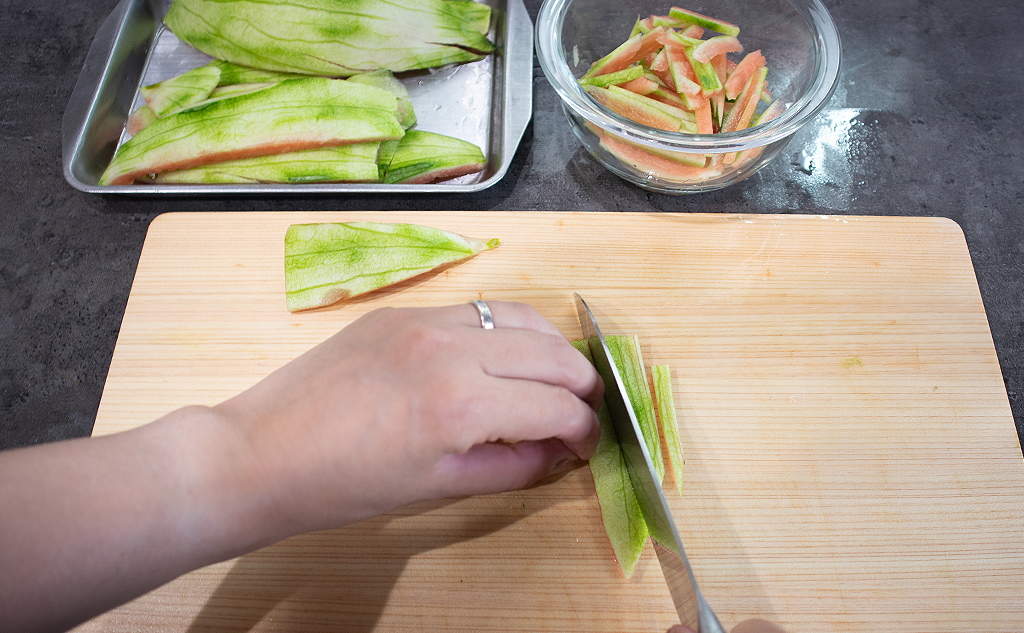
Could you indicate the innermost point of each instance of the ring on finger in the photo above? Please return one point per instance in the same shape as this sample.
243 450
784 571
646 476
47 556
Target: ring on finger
486 318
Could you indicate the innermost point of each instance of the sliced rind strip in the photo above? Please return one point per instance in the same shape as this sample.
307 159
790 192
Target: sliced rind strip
634 379
620 510
661 376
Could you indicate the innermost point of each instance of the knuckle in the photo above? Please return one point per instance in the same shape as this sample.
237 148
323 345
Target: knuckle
524 316
424 340
568 410
576 372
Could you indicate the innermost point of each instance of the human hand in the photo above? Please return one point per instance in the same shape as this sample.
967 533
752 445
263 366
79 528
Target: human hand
402 405
754 625
410 404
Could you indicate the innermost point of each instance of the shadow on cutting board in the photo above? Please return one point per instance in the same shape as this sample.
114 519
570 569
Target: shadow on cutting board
343 580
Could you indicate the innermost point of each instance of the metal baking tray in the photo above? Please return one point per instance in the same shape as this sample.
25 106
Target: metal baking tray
488 102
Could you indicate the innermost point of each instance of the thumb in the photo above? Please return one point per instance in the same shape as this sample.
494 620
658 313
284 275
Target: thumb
497 467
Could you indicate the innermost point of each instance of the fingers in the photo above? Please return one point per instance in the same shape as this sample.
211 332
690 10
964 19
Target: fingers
550 359
535 411
508 315
490 468
516 352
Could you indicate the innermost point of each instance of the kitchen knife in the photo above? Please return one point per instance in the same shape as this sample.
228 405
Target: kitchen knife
690 604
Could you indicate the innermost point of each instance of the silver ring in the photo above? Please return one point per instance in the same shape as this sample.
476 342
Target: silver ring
486 320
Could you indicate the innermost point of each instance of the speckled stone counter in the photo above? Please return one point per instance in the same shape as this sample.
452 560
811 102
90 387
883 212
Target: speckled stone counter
924 122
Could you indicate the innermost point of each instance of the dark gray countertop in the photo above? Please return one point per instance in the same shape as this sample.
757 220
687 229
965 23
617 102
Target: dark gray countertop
925 122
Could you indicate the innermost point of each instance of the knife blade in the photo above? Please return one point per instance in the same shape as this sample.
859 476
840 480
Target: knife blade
694 611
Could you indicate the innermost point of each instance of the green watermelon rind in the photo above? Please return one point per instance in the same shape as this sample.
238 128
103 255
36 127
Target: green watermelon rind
181 91
325 263
661 376
703 21
621 515
356 162
423 156
625 353
330 38
292 115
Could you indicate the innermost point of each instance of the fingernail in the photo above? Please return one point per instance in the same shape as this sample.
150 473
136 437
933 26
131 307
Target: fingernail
560 466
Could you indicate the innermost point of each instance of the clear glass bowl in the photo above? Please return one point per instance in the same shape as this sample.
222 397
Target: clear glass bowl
797 37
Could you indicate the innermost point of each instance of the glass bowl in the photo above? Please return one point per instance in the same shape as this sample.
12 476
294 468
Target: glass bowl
797 37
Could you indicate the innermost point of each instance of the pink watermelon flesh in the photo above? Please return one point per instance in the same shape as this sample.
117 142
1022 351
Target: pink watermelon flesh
139 119
635 110
742 74
292 115
719 45
654 165
641 86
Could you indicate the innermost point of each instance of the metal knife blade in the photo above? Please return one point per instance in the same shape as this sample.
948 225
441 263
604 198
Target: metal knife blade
694 611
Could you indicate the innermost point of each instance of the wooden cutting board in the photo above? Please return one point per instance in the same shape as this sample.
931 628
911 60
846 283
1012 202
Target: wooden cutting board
852 462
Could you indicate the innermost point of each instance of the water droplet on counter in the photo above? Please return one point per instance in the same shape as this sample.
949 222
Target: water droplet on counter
804 162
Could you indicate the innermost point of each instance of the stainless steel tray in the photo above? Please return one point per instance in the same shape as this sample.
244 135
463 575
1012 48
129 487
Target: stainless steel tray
487 102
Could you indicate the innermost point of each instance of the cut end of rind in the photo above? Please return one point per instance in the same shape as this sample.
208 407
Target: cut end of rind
304 300
429 176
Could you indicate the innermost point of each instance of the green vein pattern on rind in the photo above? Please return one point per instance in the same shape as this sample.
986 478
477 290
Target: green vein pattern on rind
620 510
423 157
231 74
662 378
325 263
356 162
647 401
181 91
634 378
385 80
292 115
333 37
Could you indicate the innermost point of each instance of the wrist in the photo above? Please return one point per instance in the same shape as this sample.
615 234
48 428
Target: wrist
228 504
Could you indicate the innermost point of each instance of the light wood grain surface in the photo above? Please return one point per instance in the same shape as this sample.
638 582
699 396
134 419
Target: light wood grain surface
851 459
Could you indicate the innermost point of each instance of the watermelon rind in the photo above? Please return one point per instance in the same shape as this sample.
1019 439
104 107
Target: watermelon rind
621 515
721 26
335 38
292 115
325 263
182 91
356 162
625 353
422 157
661 376
232 74
386 80
618 77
